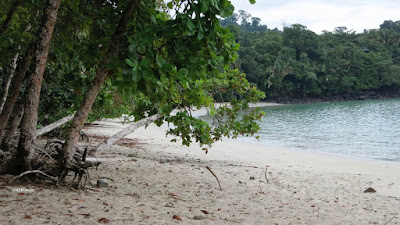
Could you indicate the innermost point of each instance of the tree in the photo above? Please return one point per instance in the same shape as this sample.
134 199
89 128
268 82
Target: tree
140 55
26 149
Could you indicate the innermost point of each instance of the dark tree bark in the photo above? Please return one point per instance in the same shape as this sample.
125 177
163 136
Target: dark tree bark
16 85
13 125
91 94
9 16
26 150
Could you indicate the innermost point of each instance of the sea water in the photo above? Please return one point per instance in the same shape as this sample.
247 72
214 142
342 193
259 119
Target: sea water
359 129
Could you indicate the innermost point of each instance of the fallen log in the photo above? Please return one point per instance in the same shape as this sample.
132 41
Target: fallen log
54 125
118 136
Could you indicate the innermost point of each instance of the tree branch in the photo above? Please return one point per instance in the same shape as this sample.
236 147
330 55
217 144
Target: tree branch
33 171
54 125
127 131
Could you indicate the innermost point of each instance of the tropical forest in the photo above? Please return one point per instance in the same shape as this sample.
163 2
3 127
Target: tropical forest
296 63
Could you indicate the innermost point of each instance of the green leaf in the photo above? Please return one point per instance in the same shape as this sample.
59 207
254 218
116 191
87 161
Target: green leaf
136 77
170 5
183 72
130 62
190 24
132 48
167 67
204 6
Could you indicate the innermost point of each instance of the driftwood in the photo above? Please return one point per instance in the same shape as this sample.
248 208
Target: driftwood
33 171
54 125
111 140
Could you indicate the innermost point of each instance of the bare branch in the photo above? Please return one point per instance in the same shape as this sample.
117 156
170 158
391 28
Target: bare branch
215 177
127 131
54 125
33 171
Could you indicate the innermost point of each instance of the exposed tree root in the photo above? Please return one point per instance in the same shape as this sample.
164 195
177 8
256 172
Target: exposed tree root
48 164
33 171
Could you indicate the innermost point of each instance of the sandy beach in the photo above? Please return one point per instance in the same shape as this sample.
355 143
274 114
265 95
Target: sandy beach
154 181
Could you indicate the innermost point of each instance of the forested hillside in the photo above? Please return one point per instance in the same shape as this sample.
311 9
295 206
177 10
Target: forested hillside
297 63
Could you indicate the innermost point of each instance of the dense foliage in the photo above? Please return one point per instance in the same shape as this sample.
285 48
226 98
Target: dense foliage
298 63
169 55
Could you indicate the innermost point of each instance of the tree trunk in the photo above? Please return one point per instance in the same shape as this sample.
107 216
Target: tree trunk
8 81
11 75
54 125
111 140
13 126
90 96
16 85
26 150
10 13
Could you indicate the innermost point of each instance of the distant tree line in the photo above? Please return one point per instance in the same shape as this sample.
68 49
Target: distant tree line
298 63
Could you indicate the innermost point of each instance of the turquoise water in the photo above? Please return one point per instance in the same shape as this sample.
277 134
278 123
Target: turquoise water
360 129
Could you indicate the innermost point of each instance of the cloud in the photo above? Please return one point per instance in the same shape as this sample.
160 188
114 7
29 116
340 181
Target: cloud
319 15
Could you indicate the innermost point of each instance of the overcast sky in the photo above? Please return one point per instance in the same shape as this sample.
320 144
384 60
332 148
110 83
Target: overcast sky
319 15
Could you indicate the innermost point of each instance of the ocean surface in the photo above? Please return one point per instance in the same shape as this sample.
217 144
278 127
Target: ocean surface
358 129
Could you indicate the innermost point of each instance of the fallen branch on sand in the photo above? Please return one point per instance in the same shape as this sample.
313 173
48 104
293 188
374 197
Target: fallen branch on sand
126 131
33 171
265 175
215 177
390 219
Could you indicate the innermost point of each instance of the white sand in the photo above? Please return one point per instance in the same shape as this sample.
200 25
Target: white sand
156 179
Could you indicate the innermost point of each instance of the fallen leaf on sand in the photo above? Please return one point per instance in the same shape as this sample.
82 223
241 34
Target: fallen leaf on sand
177 218
104 220
28 217
86 215
370 190
204 211
79 200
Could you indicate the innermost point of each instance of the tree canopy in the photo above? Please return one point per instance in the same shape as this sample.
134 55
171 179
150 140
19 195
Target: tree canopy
126 57
299 63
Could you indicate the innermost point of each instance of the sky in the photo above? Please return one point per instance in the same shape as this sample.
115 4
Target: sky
319 15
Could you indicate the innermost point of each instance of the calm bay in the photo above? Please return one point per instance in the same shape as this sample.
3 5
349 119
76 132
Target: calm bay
359 129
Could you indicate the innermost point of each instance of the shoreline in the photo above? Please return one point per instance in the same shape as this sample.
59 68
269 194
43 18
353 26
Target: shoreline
258 153
323 154
155 181
203 112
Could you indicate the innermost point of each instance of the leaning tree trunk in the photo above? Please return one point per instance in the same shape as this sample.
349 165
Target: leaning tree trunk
111 140
8 81
11 74
90 96
16 85
13 125
26 150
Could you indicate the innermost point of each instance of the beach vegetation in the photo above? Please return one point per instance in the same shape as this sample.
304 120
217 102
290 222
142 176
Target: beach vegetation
153 61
